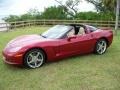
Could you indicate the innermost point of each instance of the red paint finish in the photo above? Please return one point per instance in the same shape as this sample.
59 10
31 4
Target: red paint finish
54 48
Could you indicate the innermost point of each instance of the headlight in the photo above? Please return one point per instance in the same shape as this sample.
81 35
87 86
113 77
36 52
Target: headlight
15 49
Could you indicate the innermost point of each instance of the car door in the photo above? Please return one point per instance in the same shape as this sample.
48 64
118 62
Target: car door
78 44
67 47
85 43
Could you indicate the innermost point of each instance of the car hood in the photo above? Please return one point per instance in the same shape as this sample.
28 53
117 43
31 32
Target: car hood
26 40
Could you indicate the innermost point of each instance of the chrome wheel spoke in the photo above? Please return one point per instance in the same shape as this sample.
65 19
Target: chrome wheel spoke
31 58
38 53
100 51
102 43
99 48
30 61
31 55
40 60
35 63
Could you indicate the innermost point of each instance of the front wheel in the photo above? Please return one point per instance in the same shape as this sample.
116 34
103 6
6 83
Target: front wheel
34 58
101 46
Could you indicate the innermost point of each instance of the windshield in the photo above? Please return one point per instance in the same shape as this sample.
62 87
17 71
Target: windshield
56 32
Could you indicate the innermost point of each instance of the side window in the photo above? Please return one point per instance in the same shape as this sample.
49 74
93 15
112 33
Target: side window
71 33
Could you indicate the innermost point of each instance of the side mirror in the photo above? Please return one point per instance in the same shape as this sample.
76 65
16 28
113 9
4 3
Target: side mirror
72 37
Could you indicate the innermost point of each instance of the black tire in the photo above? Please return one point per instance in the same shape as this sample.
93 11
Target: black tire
99 49
34 58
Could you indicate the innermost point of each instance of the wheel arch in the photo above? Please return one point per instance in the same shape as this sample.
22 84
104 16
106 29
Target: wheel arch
105 40
36 48
102 38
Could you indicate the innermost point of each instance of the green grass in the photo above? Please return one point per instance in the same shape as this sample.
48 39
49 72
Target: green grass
87 72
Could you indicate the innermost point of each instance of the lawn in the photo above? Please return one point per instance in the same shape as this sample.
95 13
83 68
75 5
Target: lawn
87 72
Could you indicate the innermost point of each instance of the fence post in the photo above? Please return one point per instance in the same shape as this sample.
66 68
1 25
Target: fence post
15 25
34 22
29 23
44 22
7 27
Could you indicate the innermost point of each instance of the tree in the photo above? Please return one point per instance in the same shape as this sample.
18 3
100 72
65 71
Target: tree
12 18
98 4
87 16
26 17
54 12
108 6
70 6
34 14
104 5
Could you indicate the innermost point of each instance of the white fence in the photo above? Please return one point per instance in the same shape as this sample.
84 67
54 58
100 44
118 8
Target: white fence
18 24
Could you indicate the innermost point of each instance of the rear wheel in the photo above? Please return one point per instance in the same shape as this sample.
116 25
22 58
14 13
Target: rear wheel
101 46
34 58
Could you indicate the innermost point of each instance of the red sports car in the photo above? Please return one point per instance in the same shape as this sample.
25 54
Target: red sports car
57 43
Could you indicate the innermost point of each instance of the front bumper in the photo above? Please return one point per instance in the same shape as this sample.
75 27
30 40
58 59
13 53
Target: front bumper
14 59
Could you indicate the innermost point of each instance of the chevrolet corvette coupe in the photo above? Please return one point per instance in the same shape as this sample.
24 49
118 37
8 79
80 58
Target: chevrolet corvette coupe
58 42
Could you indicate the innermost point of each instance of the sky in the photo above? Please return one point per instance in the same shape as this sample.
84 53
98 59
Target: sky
18 7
